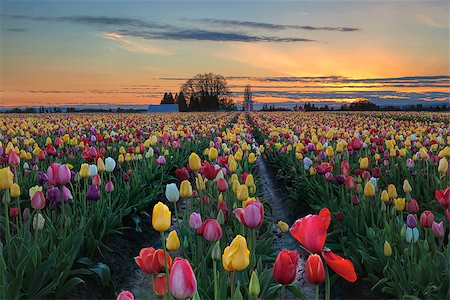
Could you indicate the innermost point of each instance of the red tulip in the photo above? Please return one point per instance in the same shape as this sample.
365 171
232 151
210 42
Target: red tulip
324 168
211 230
426 219
285 267
182 174
357 144
343 267
252 215
125 295
51 150
412 207
182 280
96 180
41 155
350 183
345 168
376 172
222 205
209 171
315 273
160 285
152 261
244 177
13 212
311 231
443 197
38 200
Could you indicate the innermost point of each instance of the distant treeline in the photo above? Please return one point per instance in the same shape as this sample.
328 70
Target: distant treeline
369 106
33 110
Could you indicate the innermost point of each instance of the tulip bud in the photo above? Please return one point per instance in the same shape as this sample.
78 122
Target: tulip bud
172 193
185 189
438 229
411 221
213 154
443 166
426 219
392 191
161 217
387 249
369 190
211 230
216 251
38 222
14 190
285 267
222 185
412 207
355 200
182 281
109 187
172 241
315 272
283 226
38 200
384 196
253 287
195 221
399 204
101 165
220 217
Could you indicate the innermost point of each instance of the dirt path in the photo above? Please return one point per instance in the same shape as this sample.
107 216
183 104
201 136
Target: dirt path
274 193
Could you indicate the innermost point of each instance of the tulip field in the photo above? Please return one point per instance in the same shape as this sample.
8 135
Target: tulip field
369 196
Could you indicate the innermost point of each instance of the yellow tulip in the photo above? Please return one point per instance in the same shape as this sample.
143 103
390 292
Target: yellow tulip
14 190
33 190
195 162
236 257
387 249
399 204
232 166
369 190
251 158
185 189
242 192
392 191
249 181
283 226
312 171
172 241
443 166
261 148
235 185
364 163
329 152
161 217
101 165
238 155
384 196
200 183
6 178
213 153
84 171
120 159
406 186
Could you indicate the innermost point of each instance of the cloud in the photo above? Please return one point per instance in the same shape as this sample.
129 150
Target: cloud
16 29
133 45
132 27
271 26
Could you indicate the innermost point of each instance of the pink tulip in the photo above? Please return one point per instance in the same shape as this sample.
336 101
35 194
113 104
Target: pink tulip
13 159
222 185
426 218
252 215
58 174
438 229
211 230
161 160
38 200
182 280
125 295
109 187
195 221
345 168
96 180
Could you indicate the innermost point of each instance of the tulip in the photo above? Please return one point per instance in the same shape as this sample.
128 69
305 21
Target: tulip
364 163
211 230
392 191
311 231
195 221
185 189
236 256
13 212
343 267
84 171
285 267
438 229
109 187
384 196
92 170
412 235
443 166
160 285
399 204
242 192
387 249
213 154
93 193
125 295
412 207
410 163
252 215
110 164
411 221
172 241
58 174
195 162
38 222
6 178
13 159
251 158
14 190
182 281
443 197
152 261
38 200
96 180
161 217
254 287
222 185
161 160
101 165
406 186
34 189
172 193
350 183
283 226
182 174
369 190
345 168
426 219
315 272
355 200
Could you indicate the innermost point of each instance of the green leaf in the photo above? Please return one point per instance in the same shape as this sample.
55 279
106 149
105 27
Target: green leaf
102 272
68 286
297 292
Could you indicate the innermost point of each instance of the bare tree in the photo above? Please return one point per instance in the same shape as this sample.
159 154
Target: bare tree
209 89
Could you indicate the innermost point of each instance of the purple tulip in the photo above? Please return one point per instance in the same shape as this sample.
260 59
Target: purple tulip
42 178
411 221
438 229
340 179
195 221
93 193
161 160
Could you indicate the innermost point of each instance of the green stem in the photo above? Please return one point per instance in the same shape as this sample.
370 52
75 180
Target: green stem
327 284
163 240
6 200
317 292
233 279
216 291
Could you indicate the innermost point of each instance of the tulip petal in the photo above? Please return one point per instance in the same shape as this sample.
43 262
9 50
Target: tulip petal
343 267
311 231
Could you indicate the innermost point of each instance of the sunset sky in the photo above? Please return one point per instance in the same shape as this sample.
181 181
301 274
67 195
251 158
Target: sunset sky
131 52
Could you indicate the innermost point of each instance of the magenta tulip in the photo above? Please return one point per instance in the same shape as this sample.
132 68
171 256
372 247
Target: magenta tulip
426 219
252 215
222 185
211 230
58 174
195 221
38 200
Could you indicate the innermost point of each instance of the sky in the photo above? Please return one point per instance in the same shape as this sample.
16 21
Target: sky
67 53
